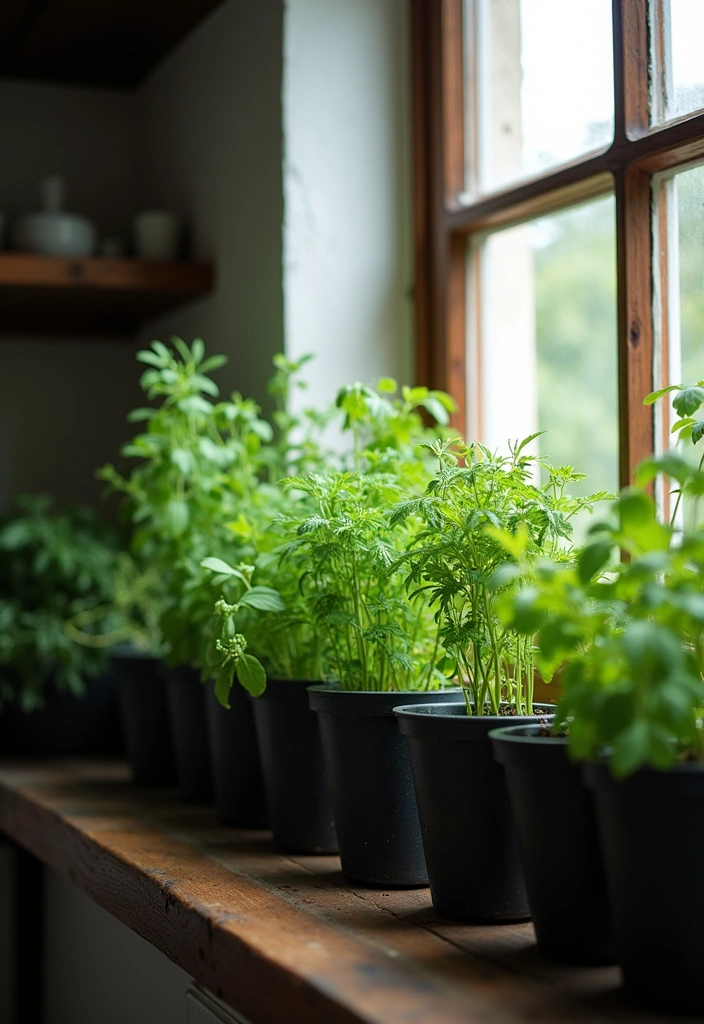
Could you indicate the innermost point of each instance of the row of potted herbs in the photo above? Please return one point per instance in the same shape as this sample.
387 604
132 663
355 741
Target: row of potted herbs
422 582
413 565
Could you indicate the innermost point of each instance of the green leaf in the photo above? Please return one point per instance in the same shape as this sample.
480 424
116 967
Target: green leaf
138 415
527 440
527 615
592 559
182 348
503 575
251 674
217 565
654 395
212 363
151 358
177 516
688 401
697 431
183 460
387 386
630 749
436 409
223 683
669 462
262 598
198 350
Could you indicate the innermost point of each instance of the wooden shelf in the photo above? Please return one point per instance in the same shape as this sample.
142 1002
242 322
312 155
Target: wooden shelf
283 939
110 43
46 294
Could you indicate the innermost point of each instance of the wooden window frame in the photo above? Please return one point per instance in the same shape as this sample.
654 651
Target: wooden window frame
444 222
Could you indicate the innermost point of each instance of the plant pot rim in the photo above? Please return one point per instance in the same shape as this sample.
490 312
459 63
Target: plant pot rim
450 721
332 700
525 735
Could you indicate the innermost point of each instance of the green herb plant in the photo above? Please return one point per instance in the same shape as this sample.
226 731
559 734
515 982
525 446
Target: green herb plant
345 552
481 509
341 617
629 634
55 563
199 464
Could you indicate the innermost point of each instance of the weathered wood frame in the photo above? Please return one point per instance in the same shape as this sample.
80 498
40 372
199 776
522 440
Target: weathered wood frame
444 223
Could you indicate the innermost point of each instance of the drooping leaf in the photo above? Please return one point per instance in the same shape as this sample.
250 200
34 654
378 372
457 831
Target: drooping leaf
251 674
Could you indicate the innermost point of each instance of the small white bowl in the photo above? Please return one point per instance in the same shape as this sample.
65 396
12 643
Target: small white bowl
55 234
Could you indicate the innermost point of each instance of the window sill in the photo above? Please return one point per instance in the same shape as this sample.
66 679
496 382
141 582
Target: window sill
282 938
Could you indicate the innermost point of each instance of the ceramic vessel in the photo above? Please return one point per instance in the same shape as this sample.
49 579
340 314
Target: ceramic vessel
157 236
52 231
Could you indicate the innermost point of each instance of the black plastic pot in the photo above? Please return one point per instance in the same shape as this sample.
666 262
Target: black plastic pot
557 835
370 782
469 837
145 723
185 696
236 765
297 789
652 834
66 724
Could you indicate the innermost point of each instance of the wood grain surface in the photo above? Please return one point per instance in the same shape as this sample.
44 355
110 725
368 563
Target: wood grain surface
59 295
283 939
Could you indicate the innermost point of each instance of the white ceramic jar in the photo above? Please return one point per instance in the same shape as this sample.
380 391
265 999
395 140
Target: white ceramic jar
54 232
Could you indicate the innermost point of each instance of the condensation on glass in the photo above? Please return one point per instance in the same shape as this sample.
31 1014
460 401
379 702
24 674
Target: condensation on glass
678 202
538 87
543 339
676 66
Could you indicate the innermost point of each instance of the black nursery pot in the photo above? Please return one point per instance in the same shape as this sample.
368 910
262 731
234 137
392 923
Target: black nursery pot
236 765
189 735
373 801
557 835
66 724
297 789
652 835
142 696
468 833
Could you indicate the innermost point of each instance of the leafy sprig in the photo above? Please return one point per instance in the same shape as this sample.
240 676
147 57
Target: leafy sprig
480 510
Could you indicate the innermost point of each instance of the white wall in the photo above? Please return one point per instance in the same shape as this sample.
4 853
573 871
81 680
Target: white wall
347 234
211 148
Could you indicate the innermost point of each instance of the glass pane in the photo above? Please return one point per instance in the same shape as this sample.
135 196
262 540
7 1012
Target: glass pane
681 353
677 72
539 86
548 355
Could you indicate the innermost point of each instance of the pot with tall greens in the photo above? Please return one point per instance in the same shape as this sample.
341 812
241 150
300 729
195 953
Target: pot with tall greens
309 638
632 706
479 507
182 491
127 626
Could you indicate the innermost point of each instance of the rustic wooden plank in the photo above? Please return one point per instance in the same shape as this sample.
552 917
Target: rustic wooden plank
283 939
55 294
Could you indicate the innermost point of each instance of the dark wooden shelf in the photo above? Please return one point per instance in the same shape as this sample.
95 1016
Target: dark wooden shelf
283 939
110 43
46 294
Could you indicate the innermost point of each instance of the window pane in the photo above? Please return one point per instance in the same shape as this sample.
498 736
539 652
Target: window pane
680 295
545 297
539 87
677 72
